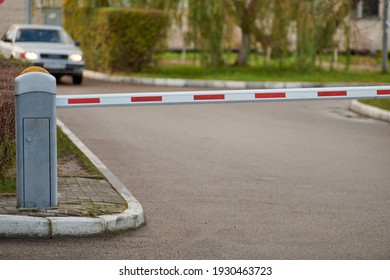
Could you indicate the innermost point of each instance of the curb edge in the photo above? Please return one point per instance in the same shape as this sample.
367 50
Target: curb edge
370 111
133 216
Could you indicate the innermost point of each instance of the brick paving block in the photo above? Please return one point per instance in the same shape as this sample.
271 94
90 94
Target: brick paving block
11 210
80 197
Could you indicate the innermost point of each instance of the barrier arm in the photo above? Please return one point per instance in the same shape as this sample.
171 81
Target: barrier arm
221 96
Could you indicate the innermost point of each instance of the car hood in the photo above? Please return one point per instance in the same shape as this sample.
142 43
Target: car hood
48 47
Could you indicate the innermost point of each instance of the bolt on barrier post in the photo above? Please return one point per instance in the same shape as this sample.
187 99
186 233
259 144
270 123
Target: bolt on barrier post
36 139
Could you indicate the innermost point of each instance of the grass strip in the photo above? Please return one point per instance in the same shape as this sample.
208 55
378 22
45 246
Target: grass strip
264 74
380 103
65 148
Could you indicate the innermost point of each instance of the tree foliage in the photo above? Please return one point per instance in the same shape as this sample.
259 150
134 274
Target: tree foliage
316 23
207 19
272 23
245 13
302 28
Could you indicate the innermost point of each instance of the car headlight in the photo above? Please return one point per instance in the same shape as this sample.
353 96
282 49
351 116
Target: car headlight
29 55
75 57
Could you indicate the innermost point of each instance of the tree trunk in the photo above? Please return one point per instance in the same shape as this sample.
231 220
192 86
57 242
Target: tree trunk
244 50
384 49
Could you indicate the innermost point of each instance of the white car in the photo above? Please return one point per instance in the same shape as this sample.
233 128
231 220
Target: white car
46 46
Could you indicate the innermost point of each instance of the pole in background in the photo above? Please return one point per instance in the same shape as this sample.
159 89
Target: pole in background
28 11
385 26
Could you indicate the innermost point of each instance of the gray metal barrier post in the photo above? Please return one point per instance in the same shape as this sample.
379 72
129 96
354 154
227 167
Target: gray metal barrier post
36 139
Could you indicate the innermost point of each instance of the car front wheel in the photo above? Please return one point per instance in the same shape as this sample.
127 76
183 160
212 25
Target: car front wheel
77 79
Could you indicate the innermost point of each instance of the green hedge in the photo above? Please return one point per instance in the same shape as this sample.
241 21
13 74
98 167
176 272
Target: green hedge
117 39
10 69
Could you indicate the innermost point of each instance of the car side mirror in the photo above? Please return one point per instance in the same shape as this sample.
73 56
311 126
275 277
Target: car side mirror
77 43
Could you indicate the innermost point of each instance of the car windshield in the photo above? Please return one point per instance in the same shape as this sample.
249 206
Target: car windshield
42 35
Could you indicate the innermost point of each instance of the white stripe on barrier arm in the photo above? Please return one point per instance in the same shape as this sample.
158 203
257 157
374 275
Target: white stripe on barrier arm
222 96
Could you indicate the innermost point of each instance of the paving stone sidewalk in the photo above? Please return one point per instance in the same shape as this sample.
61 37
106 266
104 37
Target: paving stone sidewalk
77 196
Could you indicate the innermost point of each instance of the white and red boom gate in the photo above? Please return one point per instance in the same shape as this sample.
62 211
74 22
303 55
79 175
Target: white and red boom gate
221 96
36 103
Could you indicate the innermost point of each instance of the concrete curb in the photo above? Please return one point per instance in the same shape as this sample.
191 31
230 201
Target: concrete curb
205 83
38 227
24 226
370 111
131 218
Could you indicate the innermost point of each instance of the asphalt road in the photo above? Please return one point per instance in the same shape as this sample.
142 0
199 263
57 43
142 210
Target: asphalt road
296 180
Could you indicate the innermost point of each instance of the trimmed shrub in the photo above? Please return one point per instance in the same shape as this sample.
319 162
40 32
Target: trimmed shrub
118 39
10 69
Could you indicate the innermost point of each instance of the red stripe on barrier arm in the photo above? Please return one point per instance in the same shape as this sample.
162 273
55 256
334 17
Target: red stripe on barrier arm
383 91
146 99
271 95
332 93
83 100
210 97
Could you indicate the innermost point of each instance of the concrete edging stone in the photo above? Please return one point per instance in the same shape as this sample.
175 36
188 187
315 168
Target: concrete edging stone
370 111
